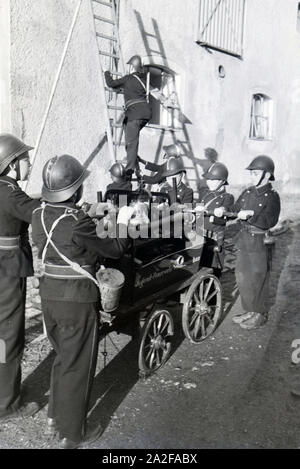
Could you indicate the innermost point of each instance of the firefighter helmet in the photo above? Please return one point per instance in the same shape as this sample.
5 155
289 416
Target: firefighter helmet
217 171
11 148
263 163
174 149
117 170
211 154
136 62
62 176
173 166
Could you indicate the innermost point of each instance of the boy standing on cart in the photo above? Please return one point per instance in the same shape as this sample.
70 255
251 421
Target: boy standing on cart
180 193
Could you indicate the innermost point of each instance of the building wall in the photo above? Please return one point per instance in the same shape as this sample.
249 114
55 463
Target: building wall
5 103
218 109
74 125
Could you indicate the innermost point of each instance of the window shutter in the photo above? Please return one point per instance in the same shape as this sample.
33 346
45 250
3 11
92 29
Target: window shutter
221 25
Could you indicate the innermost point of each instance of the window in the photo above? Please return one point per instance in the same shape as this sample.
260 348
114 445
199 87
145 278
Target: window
221 25
261 117
164 82
298 18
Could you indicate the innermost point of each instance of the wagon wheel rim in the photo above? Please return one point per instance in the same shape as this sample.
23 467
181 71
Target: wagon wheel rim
155 344
202 309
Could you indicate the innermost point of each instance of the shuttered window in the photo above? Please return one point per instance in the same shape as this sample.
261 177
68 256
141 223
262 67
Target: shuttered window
221 25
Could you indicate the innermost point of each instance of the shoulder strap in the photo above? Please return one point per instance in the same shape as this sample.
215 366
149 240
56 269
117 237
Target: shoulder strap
49 234
146 88
207 204
9 184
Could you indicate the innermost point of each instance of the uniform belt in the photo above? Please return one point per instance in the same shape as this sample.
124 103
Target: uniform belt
253 229
9 242
131 102
65 271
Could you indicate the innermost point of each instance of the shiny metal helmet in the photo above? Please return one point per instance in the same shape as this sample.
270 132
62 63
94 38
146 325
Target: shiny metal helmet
263 163
62 176
217 171
11 148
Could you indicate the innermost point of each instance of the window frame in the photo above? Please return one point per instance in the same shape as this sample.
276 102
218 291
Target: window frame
298 18
258 118
166 114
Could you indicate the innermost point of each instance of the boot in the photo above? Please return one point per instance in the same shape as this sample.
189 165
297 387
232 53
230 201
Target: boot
25 411
257 320
90 437
51 429
239 318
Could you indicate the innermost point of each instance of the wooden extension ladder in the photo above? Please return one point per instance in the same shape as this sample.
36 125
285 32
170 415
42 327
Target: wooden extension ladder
106 14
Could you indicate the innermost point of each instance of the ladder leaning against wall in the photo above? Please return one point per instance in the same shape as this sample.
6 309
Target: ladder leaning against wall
105 16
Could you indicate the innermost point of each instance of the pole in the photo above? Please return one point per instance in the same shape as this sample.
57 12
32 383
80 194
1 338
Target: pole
62 60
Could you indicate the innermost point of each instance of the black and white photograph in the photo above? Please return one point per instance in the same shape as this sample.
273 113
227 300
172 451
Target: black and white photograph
149 227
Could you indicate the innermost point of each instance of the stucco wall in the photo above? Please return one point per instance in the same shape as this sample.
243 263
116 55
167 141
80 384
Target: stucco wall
5 103
39 29
218 109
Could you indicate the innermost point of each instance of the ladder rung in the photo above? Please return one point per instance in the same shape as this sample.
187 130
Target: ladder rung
111 90
117 108
118 143
117 126
118 74
150 35
104 36
108 54
107 4
101 18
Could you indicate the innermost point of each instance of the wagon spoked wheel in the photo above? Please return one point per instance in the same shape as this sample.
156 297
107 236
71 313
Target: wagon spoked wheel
202 308
155 346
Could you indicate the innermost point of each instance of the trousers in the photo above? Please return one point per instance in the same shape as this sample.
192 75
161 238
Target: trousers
72 329
132 130
12 338
252 273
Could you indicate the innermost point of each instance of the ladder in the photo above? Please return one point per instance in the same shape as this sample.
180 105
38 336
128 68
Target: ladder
105 16
153 44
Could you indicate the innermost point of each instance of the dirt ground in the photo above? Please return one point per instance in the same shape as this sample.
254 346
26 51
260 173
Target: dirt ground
232 391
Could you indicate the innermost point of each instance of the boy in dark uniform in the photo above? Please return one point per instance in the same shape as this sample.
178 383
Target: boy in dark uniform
15 266
118 175
137 107
120 182
175 169
258 210
211 198
71 250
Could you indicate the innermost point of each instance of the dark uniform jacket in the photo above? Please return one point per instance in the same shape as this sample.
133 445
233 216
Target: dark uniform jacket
185 195
133 90
121 185
75 236
265 202
212 200
159 169
15 215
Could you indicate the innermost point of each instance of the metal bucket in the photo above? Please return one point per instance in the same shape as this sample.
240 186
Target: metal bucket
111 282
